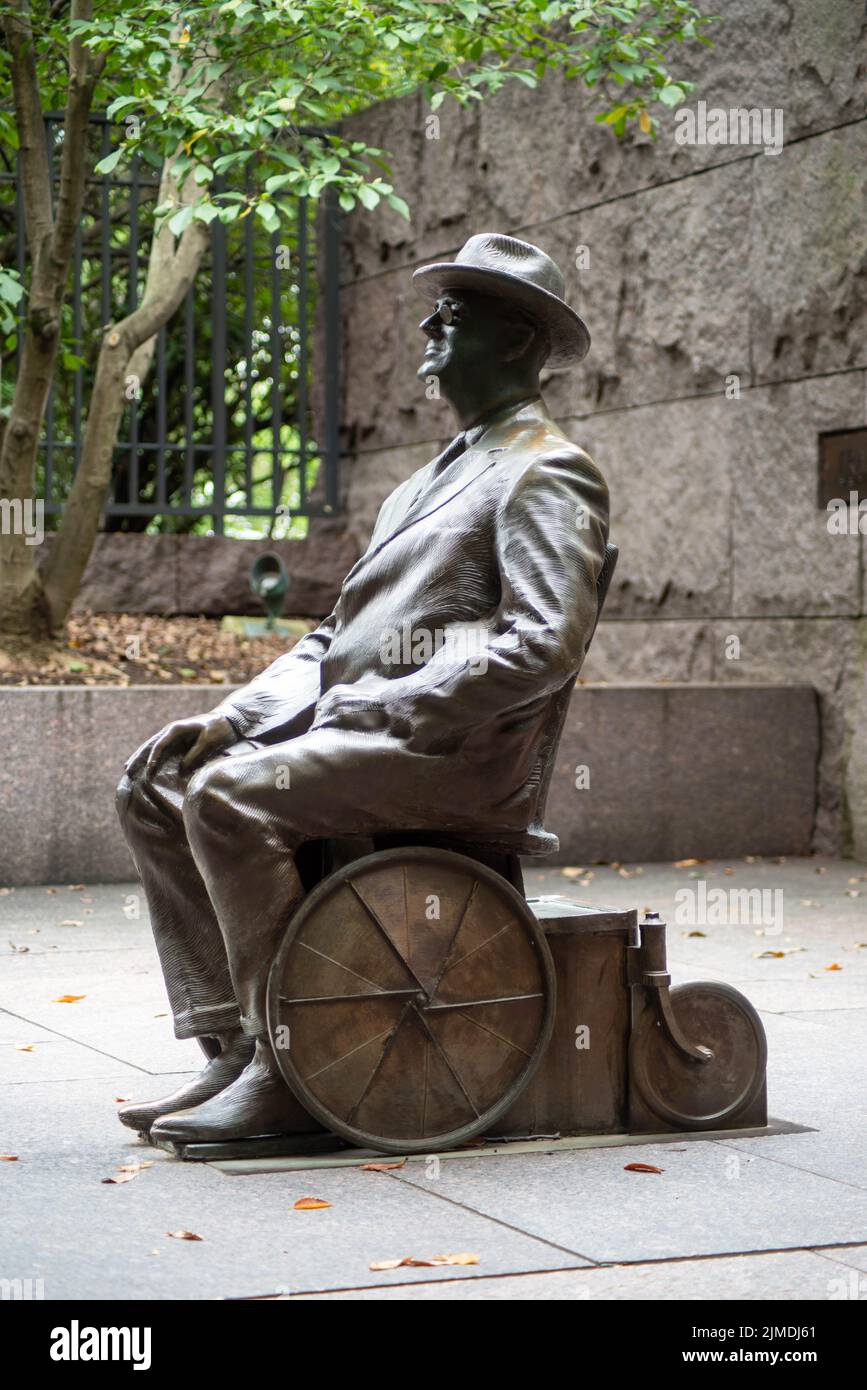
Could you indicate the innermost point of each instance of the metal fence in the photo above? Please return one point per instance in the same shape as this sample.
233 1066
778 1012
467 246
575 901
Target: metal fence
222 425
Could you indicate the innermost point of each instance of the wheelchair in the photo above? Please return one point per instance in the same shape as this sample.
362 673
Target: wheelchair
419 999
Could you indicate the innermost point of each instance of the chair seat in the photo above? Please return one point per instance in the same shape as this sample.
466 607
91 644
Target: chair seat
534 842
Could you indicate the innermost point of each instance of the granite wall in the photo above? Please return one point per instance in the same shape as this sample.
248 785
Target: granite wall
755 745
726 292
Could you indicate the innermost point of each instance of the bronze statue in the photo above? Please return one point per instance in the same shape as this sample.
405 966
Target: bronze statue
422 701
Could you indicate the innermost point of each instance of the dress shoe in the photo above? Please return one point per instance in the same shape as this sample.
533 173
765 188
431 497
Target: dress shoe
220 1072
258 1103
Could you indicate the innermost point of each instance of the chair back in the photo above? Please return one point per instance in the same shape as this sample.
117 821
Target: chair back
561 704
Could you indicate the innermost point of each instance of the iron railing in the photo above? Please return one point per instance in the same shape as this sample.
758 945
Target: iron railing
222 425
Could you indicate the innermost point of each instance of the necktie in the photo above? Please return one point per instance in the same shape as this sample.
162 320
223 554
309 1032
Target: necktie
459 445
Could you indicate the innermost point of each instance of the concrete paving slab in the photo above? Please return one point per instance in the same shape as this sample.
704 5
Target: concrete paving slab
779 1277
710 1199
839 1153
112 917
54 1059
87 1239
855 1256
534 1213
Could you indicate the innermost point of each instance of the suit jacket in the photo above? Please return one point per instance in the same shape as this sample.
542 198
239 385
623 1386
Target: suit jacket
469 612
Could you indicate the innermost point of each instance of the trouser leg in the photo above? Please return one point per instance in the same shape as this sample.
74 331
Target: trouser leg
186 930
245 856
247 814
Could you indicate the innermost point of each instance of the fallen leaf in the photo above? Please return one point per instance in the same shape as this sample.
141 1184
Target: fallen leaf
570 872
382 1167
834 966
120 1099
184 1235
70 922
120 1177
310 1204
694 933
69 998
75 887
463 1258
23 1047
688 863
8 1158
19 950
778 955
642 1168
136 1167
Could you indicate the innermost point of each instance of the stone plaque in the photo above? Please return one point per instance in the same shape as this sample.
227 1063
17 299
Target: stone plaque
842 465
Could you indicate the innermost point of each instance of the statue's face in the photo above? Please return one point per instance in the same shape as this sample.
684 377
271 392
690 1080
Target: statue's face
462 335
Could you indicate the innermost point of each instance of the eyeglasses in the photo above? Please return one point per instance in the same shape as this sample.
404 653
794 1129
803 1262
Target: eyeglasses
447 311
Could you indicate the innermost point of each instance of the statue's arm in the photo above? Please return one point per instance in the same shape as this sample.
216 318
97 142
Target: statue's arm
282 698
550 545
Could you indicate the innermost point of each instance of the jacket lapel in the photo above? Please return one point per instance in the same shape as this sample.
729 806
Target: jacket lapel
458 475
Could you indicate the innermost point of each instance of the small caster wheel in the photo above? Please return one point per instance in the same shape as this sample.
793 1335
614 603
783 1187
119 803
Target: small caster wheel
692 1094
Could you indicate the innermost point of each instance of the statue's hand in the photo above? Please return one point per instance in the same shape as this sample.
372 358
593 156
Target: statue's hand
198 738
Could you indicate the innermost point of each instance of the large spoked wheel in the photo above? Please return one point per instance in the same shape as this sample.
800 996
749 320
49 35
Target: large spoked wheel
411 1000
691 1094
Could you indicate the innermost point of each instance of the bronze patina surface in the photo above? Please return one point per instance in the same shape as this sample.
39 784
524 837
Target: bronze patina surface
430 699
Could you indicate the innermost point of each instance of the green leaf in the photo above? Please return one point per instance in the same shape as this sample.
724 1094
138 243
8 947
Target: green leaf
182 219
278 181
106 165
268 215
672 95
11 288
368 197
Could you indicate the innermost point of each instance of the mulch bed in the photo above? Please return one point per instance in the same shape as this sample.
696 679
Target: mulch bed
140 649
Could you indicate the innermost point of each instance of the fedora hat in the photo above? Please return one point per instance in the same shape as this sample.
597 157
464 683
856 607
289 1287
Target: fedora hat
515 270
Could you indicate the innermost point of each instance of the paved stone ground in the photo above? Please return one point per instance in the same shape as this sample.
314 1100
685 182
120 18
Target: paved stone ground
781 1217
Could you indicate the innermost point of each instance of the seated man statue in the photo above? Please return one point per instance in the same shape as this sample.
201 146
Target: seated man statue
420 703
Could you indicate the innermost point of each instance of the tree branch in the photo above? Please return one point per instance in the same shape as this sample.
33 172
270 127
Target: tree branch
84 71
35 177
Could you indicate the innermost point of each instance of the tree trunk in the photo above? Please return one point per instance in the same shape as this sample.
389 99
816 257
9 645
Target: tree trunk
127 351
50 237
